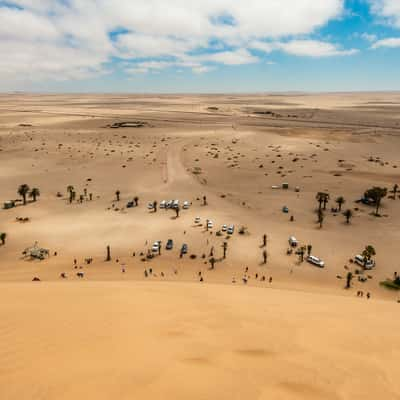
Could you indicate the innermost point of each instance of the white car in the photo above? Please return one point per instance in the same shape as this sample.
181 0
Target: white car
224 228
168 204
156 247
293 241
210 224
316 261
197 220
150 206
186 205
359 259
231 229
163 204
175 204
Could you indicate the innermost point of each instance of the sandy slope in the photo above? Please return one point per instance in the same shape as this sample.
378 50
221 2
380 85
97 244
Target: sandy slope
180 341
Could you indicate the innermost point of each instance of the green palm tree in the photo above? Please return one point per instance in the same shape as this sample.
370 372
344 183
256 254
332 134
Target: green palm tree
376 194
70 190
34 193
395 189
340 201
3 237
225 248
368 253
349 278
348 214
321 217
265 256
322 198
23 191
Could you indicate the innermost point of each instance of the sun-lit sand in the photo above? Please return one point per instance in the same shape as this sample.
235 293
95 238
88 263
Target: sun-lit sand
135 327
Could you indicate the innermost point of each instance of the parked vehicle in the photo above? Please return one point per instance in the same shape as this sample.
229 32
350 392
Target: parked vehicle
184 248
210 224
150 206
163 204
175 204
285 209
186 205
130 204
224 228
156 247
170 244
316 261
231 229
168 204
197 220
293 241
360 260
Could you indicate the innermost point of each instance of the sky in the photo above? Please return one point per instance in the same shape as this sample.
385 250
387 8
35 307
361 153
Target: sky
204 46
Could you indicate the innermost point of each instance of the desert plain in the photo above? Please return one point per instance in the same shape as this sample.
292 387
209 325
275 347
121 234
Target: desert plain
256 323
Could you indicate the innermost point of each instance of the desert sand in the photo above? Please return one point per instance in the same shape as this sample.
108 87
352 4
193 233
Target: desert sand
171 326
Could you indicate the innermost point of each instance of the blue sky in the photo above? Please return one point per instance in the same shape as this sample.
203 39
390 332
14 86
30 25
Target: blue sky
199 45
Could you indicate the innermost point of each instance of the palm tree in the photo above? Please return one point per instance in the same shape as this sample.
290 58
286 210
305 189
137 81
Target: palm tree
395 189
23 191
349 278
322 198
301 253
340 201
321 217
117 193
265 256
212 262
376 194
155 205
70 190
348 214
136 200
34 193
225 247
3 237
264 240
368 253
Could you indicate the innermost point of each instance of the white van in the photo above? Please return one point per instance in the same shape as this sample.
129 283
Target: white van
359 259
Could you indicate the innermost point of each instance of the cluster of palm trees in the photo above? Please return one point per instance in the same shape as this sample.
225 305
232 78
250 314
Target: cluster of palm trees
72 194
323 199
3 237
377 194
24 191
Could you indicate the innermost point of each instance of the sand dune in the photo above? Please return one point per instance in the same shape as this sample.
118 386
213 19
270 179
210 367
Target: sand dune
157 341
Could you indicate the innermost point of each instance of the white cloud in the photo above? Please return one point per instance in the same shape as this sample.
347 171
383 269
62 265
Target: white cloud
389 42
388 9
313 48
58 39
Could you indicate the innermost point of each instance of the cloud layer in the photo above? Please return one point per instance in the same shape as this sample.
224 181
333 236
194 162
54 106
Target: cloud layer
76 39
